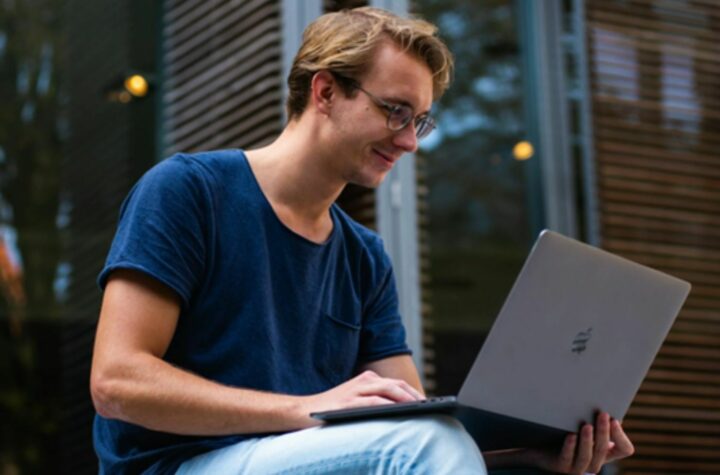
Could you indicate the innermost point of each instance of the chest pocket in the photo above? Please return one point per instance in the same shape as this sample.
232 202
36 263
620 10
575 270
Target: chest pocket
338 344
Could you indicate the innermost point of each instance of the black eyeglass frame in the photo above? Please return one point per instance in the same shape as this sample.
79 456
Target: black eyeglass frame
424 123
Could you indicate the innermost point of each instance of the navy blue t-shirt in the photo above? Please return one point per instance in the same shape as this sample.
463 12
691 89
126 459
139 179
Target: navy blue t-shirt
262 307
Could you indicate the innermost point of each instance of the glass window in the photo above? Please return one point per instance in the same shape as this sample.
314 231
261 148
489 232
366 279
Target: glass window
77 128
479 169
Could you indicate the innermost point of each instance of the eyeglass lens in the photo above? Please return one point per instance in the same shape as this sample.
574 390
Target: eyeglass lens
401 116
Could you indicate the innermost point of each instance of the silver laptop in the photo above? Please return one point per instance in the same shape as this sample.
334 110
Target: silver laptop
577 334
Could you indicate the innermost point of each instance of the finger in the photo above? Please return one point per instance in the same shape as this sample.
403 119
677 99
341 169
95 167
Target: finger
387 388
602 441
567 454
372 401
367 375
623 446
364 401
583 454
406 388
410 390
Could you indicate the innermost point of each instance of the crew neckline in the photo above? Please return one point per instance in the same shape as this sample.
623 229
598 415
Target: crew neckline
269 209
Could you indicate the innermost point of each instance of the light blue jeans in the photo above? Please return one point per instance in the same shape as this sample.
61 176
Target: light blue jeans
432 445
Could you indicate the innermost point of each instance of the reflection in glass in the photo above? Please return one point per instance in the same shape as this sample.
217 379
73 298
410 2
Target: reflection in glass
67 158
31 151
478 220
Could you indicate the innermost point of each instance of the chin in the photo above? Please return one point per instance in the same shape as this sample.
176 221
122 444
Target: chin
368 181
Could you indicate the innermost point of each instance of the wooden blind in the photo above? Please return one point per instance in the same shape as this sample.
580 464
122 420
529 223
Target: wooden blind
428 330
656 111
222 74
223 80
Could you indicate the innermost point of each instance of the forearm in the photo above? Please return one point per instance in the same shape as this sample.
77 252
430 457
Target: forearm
130 380
148 391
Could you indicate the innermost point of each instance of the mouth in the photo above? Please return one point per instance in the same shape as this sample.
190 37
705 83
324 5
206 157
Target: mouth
388 159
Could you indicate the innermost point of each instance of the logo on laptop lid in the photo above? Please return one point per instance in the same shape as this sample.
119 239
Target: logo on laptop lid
579 344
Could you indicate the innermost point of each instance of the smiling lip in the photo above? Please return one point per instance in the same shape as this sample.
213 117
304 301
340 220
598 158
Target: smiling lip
387 158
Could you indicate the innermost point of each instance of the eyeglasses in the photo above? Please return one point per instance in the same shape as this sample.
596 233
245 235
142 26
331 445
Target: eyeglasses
398 116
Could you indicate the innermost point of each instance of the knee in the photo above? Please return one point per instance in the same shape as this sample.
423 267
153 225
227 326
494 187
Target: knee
434 430
441 440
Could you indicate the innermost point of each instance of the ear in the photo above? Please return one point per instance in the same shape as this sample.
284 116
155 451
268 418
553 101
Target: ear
323 91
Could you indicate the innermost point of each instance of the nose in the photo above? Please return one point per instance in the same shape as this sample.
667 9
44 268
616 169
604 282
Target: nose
406 138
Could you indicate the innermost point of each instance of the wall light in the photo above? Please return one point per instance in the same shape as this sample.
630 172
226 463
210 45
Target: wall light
136 85
128 87
523 150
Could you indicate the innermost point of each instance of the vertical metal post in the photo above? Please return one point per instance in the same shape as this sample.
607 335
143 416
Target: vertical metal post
592 214
548 114
295 17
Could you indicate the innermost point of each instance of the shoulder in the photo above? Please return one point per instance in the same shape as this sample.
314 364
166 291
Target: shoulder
190 174
203 165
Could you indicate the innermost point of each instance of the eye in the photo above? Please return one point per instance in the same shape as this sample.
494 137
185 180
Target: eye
393 109
402 113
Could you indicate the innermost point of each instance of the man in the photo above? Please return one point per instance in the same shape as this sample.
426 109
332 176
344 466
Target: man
239 298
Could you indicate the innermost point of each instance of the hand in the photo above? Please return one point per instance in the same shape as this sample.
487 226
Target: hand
366 389
587 451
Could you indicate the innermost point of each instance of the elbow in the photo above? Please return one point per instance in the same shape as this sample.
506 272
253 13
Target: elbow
104 394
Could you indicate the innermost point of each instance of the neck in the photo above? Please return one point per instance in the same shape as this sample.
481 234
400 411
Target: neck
293 174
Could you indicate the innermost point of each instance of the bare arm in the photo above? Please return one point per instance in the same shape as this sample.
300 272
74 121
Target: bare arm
130 381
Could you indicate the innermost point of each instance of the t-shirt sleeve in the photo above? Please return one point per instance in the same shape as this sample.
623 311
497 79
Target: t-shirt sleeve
163 226
383 333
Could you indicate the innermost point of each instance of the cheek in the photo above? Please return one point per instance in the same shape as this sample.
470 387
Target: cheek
362 126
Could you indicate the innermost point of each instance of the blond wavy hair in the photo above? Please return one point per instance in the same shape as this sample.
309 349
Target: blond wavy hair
345 42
